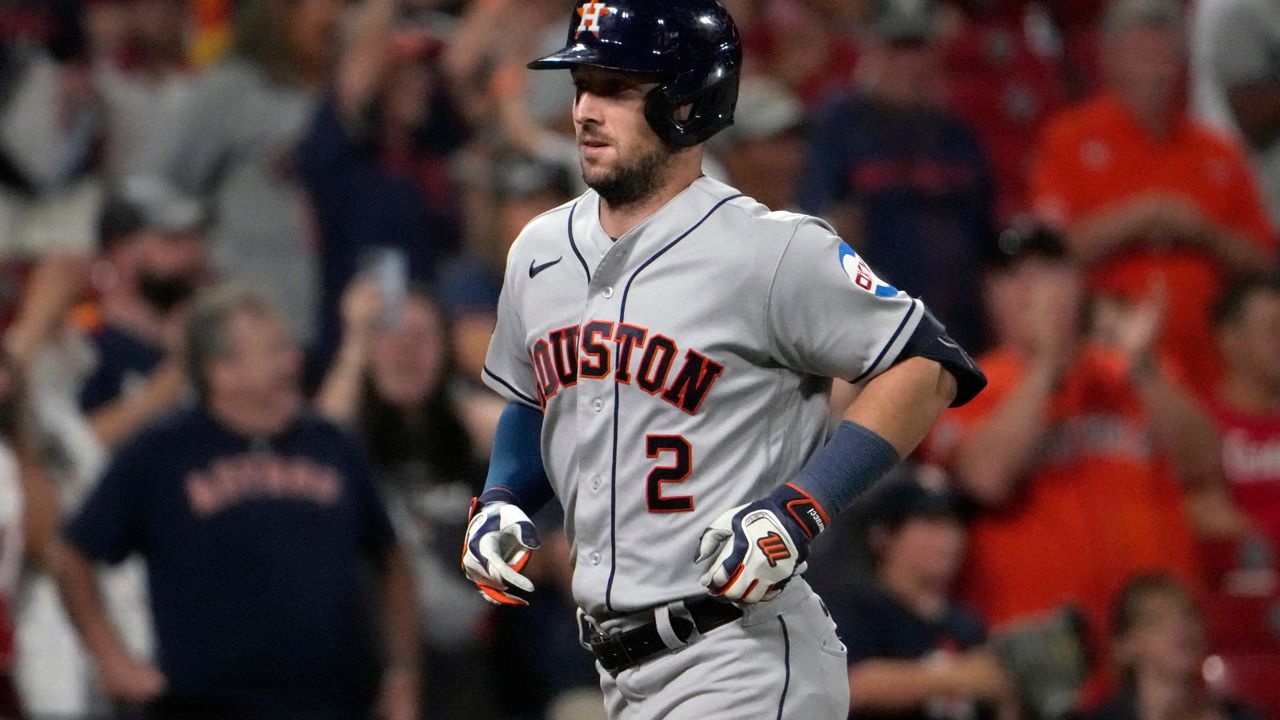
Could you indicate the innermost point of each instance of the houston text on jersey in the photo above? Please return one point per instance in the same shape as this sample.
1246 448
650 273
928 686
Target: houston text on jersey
643 357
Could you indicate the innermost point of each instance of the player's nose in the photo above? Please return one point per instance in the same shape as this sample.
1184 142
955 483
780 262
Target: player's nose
587 109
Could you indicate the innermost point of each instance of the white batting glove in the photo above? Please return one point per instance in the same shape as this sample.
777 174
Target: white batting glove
758 547
500 538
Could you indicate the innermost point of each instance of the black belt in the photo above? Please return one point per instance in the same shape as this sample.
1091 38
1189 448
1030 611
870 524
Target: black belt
628 649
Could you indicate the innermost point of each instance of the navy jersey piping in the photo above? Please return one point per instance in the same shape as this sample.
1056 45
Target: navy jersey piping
512 388
786 665
911 310
573 244
613 471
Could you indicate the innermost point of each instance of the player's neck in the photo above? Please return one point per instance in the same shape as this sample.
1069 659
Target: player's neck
1240 392
618 220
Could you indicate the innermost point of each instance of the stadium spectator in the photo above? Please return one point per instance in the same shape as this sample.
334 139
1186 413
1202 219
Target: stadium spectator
913 652
236 145
484 61
1077 27
509 192
152 263
1145 194
390 383
1158 639
902 179
11 561
97 374
1005 78
1068 450
1247 402
27 520
141 79
1235 67
111 356
536 653
257 521
807 45
374 159
763 150
49 124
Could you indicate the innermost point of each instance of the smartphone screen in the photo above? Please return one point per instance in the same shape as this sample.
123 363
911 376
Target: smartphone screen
389 268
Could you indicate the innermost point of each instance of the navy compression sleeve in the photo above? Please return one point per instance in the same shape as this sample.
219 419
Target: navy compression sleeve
516 474
844 468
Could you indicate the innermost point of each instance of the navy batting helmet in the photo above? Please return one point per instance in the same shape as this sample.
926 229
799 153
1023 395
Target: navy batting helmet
692 45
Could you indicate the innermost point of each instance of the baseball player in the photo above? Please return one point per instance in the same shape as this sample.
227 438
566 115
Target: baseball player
666 346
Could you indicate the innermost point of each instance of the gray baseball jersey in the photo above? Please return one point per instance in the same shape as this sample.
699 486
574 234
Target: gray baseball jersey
682 369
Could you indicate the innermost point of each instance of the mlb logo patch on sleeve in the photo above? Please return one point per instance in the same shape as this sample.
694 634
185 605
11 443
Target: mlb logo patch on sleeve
860 273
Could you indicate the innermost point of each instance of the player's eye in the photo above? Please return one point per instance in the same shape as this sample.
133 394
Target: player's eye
603 88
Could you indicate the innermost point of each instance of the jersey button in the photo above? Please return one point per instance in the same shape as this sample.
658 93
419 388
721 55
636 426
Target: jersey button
607 292
595 558
595 482
598 404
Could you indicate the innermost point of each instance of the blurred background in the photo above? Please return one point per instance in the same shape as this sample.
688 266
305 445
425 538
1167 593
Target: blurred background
1085 192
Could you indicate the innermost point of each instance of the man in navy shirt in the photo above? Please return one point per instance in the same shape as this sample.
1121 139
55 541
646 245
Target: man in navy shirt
151 262
912 652
257 522
904 180
374 160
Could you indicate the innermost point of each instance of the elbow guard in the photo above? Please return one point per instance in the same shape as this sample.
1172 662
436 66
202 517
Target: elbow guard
930 341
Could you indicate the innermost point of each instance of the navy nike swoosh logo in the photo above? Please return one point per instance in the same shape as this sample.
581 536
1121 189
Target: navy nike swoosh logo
534 268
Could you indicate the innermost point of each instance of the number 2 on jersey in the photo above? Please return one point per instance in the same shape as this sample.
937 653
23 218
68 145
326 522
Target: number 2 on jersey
655 446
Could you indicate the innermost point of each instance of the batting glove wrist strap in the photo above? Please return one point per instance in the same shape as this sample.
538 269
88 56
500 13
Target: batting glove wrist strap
806 515
755 549
499 541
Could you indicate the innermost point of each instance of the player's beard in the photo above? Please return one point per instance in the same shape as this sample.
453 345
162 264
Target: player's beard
630 183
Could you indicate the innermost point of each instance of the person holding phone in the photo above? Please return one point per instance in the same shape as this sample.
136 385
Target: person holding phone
374 159
390 385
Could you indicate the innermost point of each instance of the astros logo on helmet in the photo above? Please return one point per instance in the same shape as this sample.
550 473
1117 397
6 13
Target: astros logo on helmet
591 13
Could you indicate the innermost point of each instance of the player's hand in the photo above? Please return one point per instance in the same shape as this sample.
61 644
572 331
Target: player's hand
126 680
757 548
500 538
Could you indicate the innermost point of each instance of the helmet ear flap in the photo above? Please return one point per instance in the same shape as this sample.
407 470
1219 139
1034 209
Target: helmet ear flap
710 110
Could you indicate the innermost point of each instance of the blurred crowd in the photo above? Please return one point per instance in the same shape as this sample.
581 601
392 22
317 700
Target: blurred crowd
250 256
